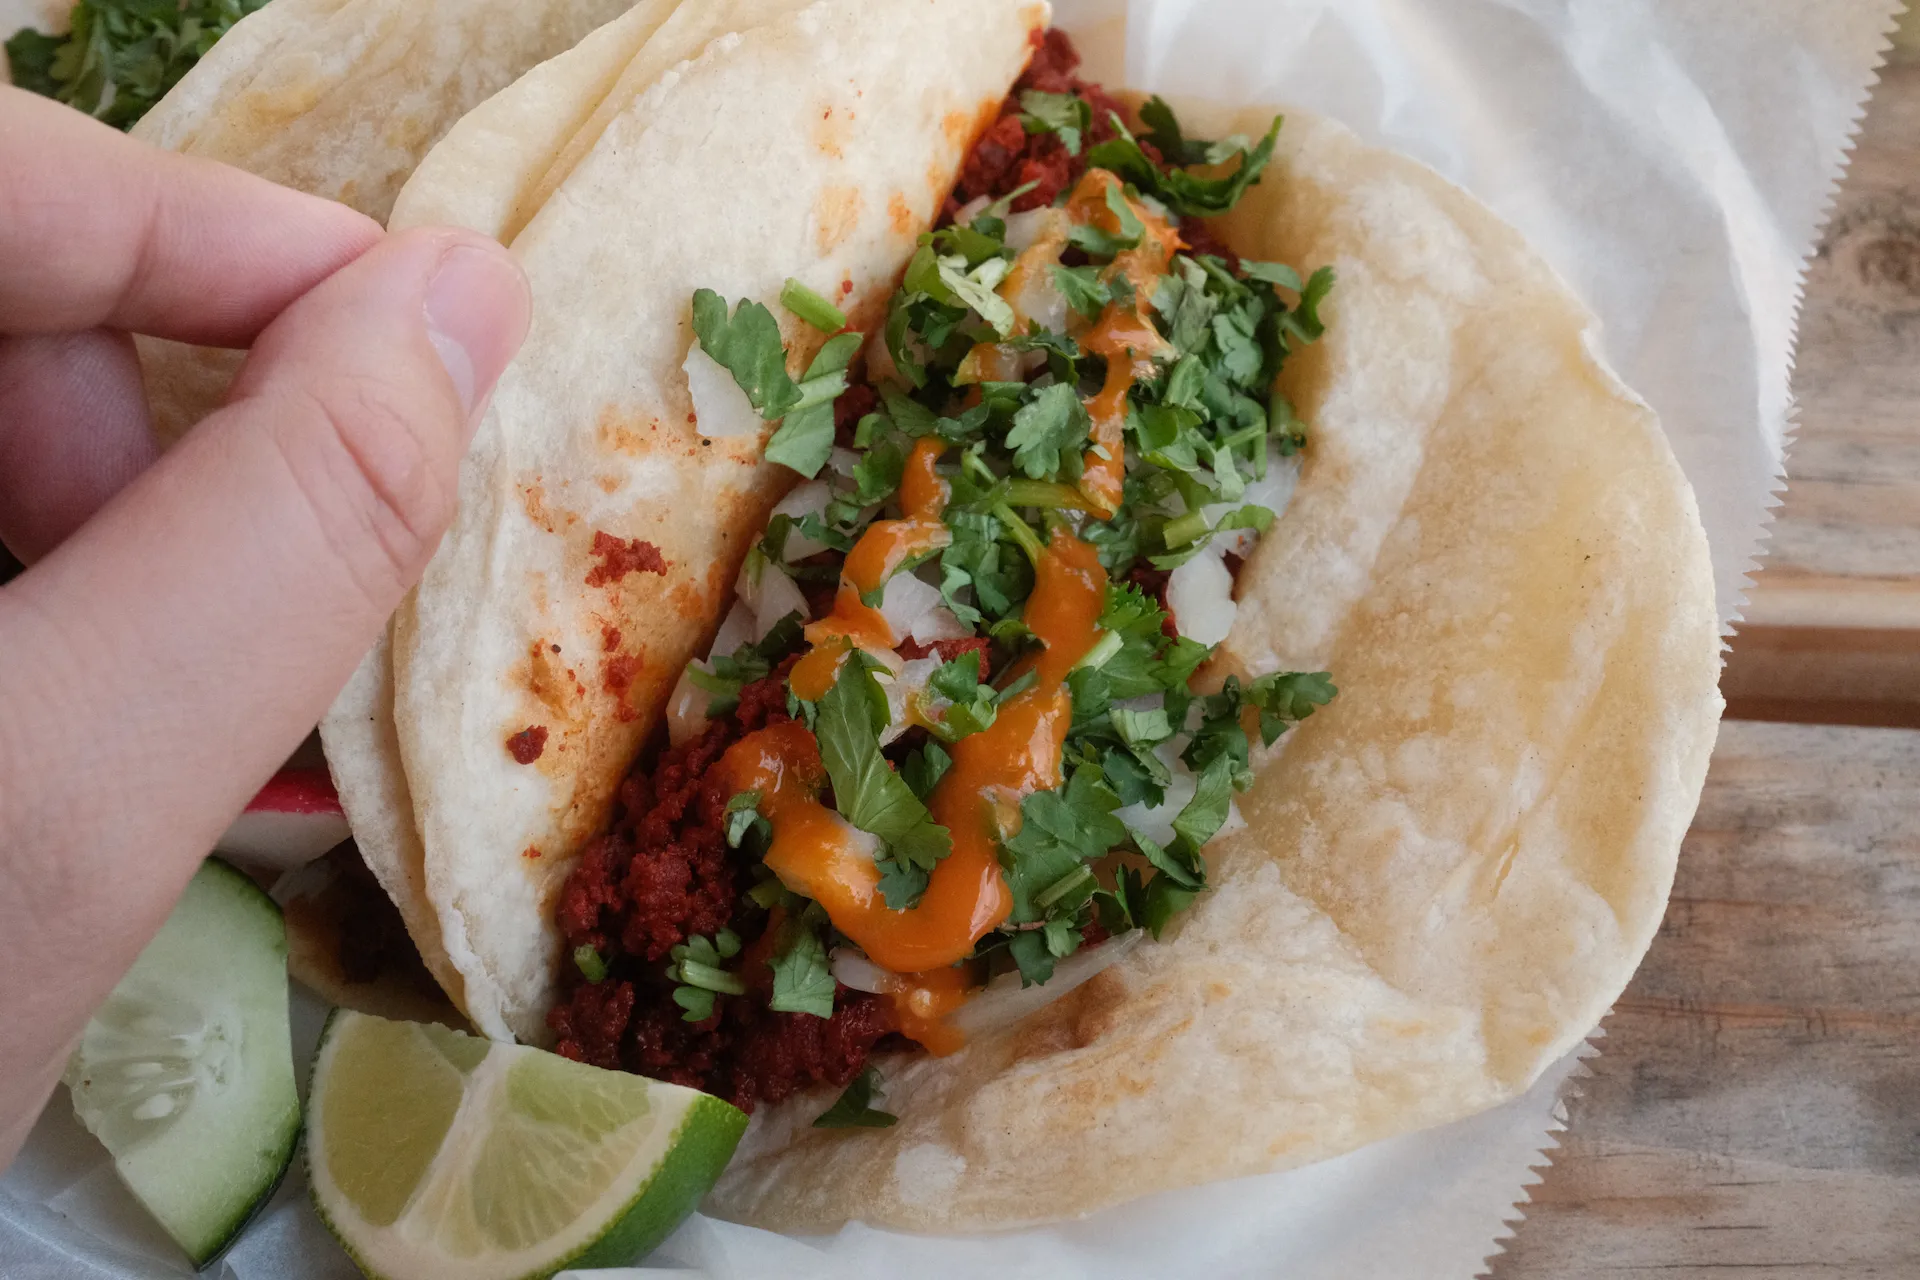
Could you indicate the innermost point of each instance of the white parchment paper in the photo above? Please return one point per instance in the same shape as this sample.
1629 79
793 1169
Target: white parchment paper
1674 160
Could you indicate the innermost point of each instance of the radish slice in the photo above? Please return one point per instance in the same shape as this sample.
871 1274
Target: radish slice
1006 1002
295 818
720 408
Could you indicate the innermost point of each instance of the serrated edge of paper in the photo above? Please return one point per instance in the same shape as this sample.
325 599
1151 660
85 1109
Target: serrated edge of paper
1574 1087
1836 176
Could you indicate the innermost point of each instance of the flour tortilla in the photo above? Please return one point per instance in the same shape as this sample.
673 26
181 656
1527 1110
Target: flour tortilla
871 109
339 98
1448 874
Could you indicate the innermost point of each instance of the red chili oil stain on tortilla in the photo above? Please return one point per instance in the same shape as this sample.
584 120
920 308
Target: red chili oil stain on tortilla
900 214
534 498
527 745
609 638
836 212
846 286
617 671
532 853
618 558
830 134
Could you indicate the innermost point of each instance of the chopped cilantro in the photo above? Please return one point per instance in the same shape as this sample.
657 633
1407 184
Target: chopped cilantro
924 769
748 346
120 57
1063 114
867 791
802 982
1059 830
590 964
804 441
902 884
743 814
1102 243
811 307
1048 432
1083 289
854 1109
1185 193
697 969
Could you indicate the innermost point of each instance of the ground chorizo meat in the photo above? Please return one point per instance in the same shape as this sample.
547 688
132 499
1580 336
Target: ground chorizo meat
1007 157
660 875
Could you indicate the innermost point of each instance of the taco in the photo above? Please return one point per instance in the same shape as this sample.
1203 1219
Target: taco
1029 468
342 99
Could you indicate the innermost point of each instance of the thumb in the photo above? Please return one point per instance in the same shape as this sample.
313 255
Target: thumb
187 638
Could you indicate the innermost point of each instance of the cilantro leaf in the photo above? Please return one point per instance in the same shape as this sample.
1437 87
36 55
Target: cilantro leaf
1206 813
1062 114
975 289
1029 950
749 347
1100 242
1185 193
1286 697
1059 830
743 813
902 884
120 57
697 968
854 1109
867 791
1048 432
924 769
802 982
1083 289
804 441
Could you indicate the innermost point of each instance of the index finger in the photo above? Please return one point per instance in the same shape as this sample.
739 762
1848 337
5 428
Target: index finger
97 229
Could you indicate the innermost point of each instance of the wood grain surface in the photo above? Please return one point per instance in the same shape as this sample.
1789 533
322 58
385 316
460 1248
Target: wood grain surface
1757 1106
1833 634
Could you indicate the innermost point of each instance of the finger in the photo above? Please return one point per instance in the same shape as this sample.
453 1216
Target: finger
73 432
97 229
166 657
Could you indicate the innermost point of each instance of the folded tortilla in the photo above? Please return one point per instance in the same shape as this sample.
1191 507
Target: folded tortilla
341 99
1447 875
524 618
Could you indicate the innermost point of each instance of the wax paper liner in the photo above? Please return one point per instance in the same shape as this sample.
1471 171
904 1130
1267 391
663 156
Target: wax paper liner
1674 160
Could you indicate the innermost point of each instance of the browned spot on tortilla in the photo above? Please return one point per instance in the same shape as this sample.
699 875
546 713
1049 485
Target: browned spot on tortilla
608 483
958 128
1074 1021
836 213
549 681
900 214
620 435
1034 16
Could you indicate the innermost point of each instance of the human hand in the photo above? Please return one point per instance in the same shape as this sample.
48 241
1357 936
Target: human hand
186 620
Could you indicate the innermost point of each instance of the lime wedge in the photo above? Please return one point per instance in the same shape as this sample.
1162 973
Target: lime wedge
436 1154
185 1074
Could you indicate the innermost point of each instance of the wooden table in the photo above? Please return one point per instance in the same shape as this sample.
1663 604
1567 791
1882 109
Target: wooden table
1757 1108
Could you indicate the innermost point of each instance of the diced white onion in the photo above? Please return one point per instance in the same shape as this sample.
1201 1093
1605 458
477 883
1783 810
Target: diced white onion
907 603
1038 298
686 711
770 595
720 408
843 461
1006 1002
971 210
1200 595
1025 228
939 623
852 969
1156 824
902 688
1272 491
810 499
735 630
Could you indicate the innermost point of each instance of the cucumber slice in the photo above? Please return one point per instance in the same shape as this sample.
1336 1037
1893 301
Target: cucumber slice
185 1074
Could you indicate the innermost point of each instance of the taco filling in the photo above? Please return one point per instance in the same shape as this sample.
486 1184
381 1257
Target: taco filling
950 739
